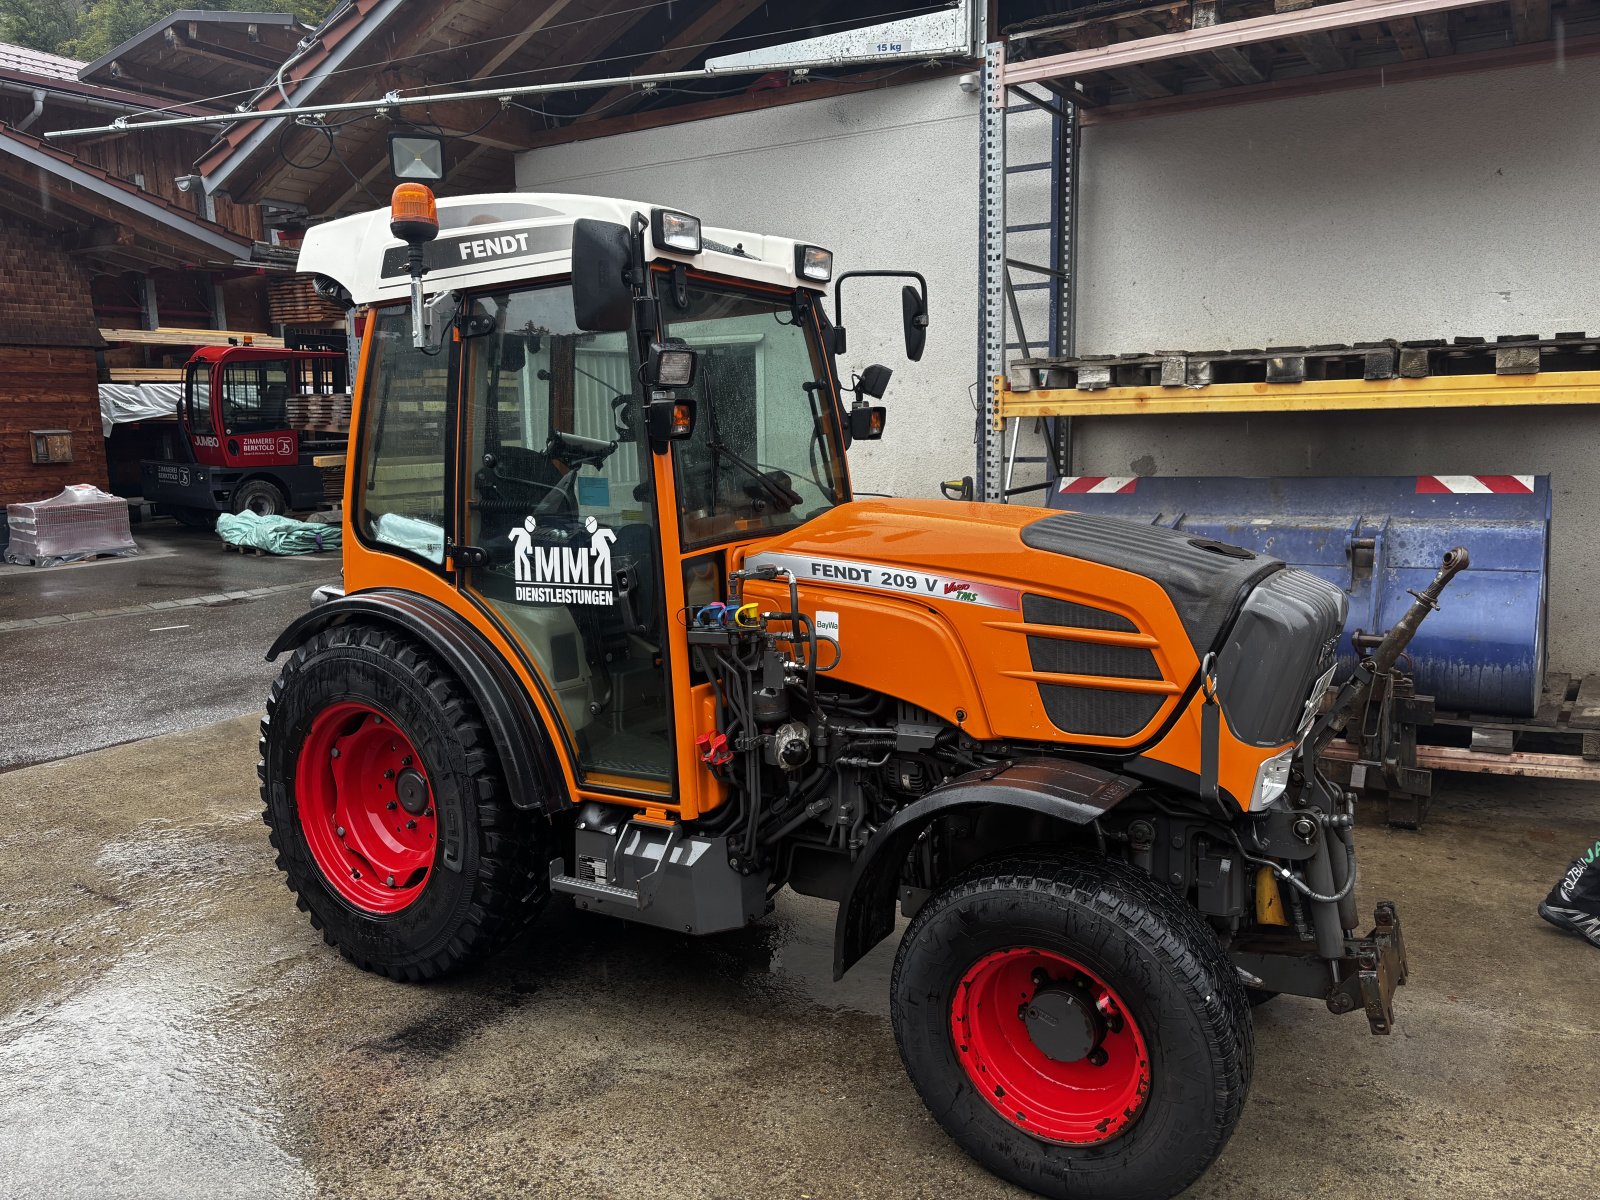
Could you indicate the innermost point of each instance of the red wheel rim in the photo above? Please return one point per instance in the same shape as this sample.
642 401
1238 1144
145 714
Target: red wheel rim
366 807
1010 1002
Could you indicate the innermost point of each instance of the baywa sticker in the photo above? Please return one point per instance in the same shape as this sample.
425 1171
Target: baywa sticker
568 572
892 579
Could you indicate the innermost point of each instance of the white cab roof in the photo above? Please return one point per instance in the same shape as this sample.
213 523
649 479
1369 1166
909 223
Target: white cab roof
507 236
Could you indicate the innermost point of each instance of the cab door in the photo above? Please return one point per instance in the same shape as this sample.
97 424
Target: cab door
559 511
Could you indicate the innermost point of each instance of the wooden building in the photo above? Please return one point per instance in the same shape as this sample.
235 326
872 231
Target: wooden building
107 233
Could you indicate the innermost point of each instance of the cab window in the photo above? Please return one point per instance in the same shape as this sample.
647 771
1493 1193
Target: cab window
255 396
765 454
405 442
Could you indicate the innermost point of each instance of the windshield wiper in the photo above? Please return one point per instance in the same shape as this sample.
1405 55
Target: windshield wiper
783 495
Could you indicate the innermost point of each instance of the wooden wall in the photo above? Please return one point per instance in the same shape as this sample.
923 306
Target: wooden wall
48 387
48 375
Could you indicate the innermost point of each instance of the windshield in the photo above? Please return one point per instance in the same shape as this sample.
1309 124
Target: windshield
255 395
765 454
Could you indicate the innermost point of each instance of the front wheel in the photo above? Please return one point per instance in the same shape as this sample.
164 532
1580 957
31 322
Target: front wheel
384 796
260 497
1074 1026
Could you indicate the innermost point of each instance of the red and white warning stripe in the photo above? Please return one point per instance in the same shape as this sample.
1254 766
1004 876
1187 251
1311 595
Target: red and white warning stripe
1460 484
1097 483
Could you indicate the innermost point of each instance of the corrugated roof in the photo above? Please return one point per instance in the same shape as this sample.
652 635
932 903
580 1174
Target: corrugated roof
36 62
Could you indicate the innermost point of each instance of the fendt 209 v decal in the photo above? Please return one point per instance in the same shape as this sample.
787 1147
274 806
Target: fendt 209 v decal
890 579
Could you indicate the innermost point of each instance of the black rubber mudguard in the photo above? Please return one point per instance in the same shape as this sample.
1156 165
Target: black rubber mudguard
525 748
1074 792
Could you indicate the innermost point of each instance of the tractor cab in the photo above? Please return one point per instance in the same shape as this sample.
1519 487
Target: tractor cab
587 417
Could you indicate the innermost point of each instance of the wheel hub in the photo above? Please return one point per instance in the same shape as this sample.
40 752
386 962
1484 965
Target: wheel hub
366 808
1063 1023
1050 1046
412 790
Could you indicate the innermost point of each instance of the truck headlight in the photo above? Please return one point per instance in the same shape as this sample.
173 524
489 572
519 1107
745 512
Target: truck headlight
1272 779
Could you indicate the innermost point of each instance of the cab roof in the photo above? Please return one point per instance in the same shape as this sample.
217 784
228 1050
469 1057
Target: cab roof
506 236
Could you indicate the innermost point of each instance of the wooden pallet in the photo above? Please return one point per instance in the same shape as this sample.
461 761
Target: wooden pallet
239 548
1508 354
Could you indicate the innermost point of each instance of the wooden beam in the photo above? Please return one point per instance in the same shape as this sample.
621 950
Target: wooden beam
1407 38
1251 31
205 47
1530 20
1435 30
1534 54
1230 59
528 27
684 47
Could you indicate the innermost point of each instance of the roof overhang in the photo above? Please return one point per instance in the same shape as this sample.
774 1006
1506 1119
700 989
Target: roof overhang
156 32
74 184
238 145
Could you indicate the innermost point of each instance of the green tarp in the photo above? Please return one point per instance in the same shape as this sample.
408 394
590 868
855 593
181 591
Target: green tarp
277 535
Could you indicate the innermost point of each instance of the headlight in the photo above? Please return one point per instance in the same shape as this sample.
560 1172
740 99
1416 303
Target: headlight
1272 779
678 231
814 263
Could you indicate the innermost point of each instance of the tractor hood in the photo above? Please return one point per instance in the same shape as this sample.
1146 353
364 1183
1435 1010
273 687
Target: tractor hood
933 549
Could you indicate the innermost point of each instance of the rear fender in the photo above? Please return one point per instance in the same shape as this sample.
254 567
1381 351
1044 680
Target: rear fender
1068 791
519 737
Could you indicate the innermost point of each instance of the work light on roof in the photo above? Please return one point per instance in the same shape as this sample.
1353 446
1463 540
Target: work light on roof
671 230
416 155
813 263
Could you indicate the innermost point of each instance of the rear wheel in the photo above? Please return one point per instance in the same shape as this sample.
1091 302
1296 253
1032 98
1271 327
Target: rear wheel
260 497
1074 1026
387 808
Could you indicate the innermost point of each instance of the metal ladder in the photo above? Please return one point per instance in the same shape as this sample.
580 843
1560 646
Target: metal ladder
999 221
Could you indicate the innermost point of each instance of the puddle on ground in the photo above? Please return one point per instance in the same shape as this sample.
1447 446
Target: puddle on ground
134 1088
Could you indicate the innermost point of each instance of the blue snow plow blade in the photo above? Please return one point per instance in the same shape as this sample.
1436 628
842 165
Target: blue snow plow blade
1377 538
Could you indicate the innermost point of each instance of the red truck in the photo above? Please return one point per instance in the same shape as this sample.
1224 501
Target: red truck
245 444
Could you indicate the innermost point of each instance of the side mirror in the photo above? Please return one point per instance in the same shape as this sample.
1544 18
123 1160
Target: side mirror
667 419
874 381
916 322
867 422
602 297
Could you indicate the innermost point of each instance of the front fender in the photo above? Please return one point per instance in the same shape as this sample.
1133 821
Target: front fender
525 750
1070 791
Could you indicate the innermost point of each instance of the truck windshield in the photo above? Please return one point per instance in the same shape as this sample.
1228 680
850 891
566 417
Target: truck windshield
765 453
255 395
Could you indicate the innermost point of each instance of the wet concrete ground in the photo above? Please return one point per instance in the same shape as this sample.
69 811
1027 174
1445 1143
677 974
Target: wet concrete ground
172 1028
139 646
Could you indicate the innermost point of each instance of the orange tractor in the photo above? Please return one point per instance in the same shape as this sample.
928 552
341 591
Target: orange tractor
614 629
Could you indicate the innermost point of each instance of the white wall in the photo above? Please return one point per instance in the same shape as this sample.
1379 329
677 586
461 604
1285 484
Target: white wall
883 179
1452 206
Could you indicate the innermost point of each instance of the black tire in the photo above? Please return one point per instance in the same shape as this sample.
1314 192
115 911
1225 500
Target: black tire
459 916
260 497
1153 951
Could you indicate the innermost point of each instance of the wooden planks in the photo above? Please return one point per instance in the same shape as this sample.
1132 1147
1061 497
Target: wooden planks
169 335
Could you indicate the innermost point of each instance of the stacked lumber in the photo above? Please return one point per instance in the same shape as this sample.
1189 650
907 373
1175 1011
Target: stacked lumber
320 412
170 335
293 300
145 374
